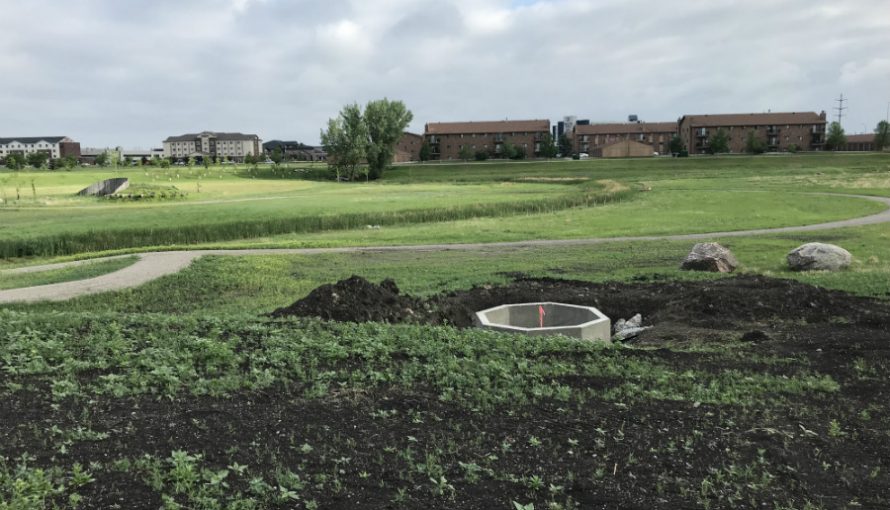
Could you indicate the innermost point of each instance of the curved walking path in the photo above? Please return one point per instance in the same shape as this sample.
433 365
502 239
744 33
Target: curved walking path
153 265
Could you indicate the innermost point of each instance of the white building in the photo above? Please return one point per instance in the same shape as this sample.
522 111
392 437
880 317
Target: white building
54 146
234 146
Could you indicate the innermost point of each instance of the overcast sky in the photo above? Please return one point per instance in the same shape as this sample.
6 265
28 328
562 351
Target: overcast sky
131 72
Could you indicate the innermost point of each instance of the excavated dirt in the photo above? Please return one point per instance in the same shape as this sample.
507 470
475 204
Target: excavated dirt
747 307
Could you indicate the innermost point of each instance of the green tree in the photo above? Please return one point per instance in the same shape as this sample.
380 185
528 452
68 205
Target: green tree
69 162
277 156
753 144
466 153
102 159
676 144
190 161
882 135
519 153
425 152
249 159
481 155
37 159
128 161
719 142
15 161
836 137
164 162
565 145
386 122
346 141
508 151
548 147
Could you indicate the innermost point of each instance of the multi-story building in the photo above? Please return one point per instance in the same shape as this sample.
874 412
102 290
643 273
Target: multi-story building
53 146
779 131
408 147
589 138
447 139
234 146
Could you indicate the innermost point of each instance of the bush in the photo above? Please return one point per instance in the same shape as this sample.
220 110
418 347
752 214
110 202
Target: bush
793 148
481 155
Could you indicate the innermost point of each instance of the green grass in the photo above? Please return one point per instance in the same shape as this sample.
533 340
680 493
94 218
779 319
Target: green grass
259 284
80 272
225 204
654 213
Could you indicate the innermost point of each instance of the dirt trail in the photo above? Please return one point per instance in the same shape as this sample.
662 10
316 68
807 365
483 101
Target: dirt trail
152 265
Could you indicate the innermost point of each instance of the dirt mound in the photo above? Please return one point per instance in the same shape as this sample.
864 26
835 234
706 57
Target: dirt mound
354 299
735 306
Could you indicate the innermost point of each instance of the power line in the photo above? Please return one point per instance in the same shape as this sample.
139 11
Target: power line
840 109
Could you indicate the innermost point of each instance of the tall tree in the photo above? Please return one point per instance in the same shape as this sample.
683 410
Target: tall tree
386 122
882 135
676 144
836 137
277 156
565 145
346 141
753 144
425 152
465 153
719 142
548 147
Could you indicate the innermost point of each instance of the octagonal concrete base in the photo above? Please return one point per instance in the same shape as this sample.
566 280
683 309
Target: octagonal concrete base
585 322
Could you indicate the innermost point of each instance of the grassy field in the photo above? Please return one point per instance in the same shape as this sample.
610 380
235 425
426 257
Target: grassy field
80 272
246 206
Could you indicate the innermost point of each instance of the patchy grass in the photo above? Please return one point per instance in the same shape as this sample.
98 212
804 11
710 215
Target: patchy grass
80 272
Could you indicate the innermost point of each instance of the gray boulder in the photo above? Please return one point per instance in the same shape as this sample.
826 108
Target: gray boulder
818 257
710 257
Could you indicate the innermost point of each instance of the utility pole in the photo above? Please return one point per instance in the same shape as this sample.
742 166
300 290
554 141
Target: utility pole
840 109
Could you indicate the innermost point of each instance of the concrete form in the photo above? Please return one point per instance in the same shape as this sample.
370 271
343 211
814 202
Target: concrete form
584 322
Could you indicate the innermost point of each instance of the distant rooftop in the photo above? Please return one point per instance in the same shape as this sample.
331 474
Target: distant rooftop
754 119
213 134
626 127
35 139
496 126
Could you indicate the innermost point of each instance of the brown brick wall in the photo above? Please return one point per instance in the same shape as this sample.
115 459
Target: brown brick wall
69 149
408 148
659 141
447 147
776 137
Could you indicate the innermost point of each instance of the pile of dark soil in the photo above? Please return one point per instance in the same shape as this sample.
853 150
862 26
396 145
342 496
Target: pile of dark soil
354 299
742 304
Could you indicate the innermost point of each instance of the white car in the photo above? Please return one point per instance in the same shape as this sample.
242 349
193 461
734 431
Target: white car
583 155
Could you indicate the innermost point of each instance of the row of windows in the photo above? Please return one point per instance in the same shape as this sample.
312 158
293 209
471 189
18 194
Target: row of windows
28 145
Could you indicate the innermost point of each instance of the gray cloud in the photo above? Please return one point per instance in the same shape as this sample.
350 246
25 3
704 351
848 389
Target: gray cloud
110 72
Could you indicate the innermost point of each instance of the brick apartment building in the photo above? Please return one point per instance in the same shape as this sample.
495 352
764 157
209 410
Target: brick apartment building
408 147
446 139
863 142
590 138
779 131
53 146
234 146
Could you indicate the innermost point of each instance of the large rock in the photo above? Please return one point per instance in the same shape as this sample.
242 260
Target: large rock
710 257
818 256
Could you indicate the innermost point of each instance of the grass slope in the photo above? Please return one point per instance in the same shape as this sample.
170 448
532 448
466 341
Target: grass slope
80 272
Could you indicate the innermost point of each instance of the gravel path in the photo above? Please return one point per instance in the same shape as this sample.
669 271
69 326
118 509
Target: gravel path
152 265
